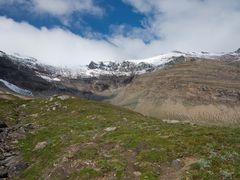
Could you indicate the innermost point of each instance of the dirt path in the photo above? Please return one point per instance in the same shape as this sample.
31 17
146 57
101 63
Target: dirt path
130 156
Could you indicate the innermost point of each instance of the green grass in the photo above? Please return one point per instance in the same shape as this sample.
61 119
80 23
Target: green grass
79 147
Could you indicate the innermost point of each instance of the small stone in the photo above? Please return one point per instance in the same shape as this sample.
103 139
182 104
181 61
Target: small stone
40 145
63 97
23 106
15 142
54 108
177 164
7 155
22 130
29 126
137 173
109 129
171 121
34 115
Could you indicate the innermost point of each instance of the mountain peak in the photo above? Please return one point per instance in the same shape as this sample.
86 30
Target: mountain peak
238 51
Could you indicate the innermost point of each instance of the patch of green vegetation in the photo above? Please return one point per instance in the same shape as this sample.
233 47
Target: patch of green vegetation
149 176
9 110
85 173
87 153
79 147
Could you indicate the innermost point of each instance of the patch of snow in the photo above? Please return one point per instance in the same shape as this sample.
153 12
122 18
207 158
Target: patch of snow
168 57
16 89
49 78
56 79
159 60
17 55
1 53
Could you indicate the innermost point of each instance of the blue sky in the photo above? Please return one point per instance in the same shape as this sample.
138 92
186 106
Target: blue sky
115 12
75 32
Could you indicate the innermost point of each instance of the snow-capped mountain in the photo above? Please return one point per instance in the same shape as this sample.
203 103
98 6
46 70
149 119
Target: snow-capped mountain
124 68
29 74
140 66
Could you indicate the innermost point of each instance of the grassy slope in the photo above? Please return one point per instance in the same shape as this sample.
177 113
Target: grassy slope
79 147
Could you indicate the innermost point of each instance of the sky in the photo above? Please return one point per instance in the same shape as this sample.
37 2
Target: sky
75 32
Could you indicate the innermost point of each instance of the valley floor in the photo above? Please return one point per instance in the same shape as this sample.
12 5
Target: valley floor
71 138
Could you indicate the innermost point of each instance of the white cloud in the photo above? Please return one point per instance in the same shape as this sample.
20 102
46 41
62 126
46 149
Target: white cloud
52 46
57 8
191 25
66 7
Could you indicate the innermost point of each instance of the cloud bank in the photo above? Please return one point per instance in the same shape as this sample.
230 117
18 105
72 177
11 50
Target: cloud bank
56 8
52 46
186 25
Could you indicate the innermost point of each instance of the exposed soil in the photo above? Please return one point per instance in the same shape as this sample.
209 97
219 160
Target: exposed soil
172 173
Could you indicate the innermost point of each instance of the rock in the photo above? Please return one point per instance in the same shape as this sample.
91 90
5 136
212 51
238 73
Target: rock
92 65
40 145
57 104
22 130
11 161
20 166
125 119
3 174
54 108
3 124
16 135
30 126
109 129
34 115
171 121
238 51
177 164
64 97
23 106
137 173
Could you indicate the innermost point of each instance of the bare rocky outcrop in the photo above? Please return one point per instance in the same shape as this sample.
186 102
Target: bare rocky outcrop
11 161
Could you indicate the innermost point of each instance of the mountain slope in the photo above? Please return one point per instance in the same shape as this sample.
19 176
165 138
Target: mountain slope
64 137
28 77
197 90
196 87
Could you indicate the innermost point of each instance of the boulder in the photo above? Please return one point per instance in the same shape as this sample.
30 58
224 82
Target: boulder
3 124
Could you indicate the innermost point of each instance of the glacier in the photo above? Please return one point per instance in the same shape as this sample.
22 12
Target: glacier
16 89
